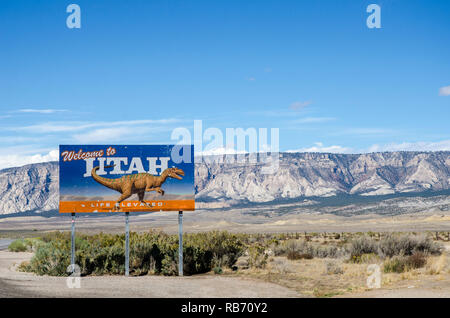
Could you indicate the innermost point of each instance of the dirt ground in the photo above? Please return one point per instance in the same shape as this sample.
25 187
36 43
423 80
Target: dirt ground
18 284
281 278
337 277
234 220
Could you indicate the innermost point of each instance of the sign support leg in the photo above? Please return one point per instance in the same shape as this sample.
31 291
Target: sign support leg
180 243
72 256
127 245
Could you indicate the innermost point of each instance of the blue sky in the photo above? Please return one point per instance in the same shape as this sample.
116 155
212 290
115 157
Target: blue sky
138 69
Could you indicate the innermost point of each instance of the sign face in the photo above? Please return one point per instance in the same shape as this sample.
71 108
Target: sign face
126 178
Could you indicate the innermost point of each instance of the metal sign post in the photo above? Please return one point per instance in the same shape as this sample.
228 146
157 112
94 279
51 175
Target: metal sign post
127 245
103 182
180 243
72 257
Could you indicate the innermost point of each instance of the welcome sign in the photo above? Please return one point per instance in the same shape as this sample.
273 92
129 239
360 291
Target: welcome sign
126 178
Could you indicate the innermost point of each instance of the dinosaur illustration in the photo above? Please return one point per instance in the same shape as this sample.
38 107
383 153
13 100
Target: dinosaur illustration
136 183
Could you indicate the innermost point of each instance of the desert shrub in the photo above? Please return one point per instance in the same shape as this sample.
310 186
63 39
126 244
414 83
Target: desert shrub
24 266
437 265
395 264
302 249
157 253
152 252
294 255
289 247
55 236
362 245
400 264
329 251
257 258
147 250
333 268
197 259
17 246
392 245
369 258
33 243
417 260
23 245
282 265
298 250
52 258
279 249
407 245
219 261
218 243
169 266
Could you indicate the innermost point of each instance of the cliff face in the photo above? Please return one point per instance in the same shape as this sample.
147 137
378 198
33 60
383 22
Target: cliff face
319 174
31 187
35 187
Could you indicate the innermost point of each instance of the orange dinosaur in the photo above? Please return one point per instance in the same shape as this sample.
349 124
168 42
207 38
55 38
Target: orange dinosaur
137 183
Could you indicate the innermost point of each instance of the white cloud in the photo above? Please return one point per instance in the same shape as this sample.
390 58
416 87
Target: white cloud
24 155
24 141
228 150
41 111
319 147
311 120
443 145
15 139
271 113
18 160
127 134
367 131
104 135
444 91
299 105
57 127
219 151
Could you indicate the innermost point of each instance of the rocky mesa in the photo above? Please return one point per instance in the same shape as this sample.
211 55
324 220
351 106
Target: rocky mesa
35 187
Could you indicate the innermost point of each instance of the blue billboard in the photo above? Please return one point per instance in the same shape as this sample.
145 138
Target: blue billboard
126 178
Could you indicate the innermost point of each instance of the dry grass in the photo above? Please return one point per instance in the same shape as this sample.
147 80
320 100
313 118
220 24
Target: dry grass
328 277
438 265
314 277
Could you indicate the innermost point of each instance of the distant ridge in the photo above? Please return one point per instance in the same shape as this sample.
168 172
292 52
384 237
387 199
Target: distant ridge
35 187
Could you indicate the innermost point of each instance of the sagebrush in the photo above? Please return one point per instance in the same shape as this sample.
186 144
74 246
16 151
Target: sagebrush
150 253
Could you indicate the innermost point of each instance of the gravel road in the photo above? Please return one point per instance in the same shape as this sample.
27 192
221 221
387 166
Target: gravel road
4 243
18 284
